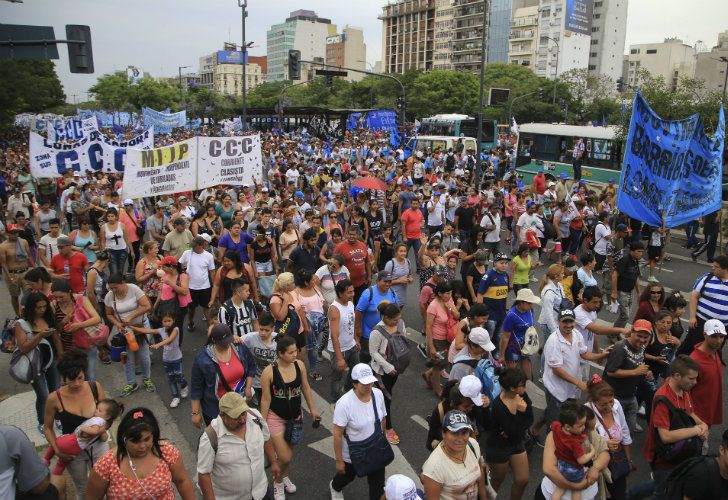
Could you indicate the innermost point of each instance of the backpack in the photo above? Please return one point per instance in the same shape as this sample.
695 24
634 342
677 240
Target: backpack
549 232
485 371
675 486
398 350
564 303
7 337
677 452
212 435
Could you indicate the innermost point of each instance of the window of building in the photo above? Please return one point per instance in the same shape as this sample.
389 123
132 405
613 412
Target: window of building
598 4
634 51
592 54
592 67
597 16
595 42
595 29
651 51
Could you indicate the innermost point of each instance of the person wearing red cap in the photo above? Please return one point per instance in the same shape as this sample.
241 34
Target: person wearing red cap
626 369
15 259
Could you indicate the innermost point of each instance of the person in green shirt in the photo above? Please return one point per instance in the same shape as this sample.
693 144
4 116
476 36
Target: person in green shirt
521 265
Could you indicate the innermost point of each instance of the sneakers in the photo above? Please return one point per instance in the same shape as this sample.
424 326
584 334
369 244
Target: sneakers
288 485
128 389
641 410
638 428
392 437
41 428
335 495
175 403
423 350
652 279
279 491
184 392
149 385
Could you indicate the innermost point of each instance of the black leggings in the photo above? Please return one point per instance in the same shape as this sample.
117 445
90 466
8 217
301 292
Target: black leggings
388 381
375 480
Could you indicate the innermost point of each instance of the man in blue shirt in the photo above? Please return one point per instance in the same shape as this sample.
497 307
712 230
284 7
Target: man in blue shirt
366 315
493 292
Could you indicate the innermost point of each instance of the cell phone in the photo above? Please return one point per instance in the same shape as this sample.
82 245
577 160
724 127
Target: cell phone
316 423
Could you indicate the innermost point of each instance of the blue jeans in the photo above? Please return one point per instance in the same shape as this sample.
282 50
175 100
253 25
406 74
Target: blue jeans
573 473
495 328
117 261
144 360
575 240
175 376
46 383
416 244
93 359
546 333
319 327
630 406
691 231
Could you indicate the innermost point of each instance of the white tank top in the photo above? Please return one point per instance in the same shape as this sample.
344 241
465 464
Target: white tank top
114 240
346 327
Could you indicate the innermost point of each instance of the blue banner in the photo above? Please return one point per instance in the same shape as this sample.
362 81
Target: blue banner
670 168
579 14
382 119
164 122
230 57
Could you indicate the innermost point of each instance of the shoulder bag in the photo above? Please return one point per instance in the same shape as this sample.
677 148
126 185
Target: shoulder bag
86 338
374 452
618 463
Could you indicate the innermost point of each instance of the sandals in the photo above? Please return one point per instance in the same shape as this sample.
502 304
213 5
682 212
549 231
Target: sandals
427 380
392 437
316 376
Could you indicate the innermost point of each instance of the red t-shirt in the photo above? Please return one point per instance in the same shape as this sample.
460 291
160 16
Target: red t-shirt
539 183
660 419
233 371
569 447
708 392
77 265
356 259
412 219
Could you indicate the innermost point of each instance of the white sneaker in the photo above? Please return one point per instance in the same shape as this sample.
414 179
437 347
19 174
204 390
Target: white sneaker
288 485
175 403
335 495
641 410
279 491
184 392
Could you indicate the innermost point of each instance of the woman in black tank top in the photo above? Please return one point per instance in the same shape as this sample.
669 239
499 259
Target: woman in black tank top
282 384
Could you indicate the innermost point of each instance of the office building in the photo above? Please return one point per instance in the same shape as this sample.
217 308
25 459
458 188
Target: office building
408 35
468 35
564 31
500 15
713 66
303 30
347 49
671 59
444 22
222 71
523 42
608 34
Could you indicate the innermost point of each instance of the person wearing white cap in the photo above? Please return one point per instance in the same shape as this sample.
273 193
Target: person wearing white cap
517 331
359 414
708 392
455 469
400 487
477 346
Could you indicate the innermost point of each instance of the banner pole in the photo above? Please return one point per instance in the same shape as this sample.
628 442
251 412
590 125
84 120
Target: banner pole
664 247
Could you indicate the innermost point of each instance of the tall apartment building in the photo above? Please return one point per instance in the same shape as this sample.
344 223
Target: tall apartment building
444 21
671 59
348 49
564 30
523 40
408 35
222 71
467 35
710 66
303 30
608 33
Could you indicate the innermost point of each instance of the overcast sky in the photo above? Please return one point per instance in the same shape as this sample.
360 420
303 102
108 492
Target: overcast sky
157 36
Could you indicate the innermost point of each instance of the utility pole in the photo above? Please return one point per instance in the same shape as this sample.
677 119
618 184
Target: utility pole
556 68
481 97
243 4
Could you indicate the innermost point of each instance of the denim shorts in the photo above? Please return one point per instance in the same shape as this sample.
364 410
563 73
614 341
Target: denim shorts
571 472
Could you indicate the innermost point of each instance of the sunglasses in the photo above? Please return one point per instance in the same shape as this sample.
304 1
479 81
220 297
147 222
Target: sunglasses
653 292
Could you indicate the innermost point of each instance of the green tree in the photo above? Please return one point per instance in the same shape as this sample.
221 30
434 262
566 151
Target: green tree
266 94
443 91
112 92
28 87
155 94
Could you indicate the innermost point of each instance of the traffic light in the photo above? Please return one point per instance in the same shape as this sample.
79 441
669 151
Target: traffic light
329 80
400 103
540 92
80 56
294 64
620 84
562 104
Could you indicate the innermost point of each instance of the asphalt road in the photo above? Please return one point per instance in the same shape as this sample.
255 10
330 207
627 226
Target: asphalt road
313 466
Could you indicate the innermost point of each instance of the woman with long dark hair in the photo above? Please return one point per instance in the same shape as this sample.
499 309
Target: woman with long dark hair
231 270
142 466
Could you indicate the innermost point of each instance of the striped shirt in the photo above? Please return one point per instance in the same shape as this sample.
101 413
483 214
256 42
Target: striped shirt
713 300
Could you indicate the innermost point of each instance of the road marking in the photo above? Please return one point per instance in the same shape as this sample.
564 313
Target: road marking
400 465
420 421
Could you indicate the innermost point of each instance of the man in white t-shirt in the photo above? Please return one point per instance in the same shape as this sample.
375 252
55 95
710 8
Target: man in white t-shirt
529 221
435 213
491 221
48 244
292 174
335 185
602 235
200 268
586 319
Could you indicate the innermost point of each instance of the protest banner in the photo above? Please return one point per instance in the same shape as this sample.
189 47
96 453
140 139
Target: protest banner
229 160
671 170
94 153
70 128
164 122
166 170
382 119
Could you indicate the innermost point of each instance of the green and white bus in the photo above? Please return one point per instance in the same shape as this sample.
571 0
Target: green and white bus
456 125
551 146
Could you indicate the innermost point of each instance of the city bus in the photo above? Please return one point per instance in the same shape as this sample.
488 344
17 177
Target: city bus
551 147
455 125
442 142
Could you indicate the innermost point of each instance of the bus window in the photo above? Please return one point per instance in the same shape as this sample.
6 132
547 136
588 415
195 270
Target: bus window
470 144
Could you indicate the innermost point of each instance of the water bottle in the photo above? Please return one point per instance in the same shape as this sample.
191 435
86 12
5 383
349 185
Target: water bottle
131 340
66 268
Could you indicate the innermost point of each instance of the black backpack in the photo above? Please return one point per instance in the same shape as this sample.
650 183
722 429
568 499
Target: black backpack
398 350
676 480
679 451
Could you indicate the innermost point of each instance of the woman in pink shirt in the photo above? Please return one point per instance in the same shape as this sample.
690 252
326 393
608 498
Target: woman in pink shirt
442 315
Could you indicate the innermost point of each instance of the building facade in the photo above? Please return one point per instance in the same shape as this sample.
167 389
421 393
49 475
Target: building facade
348 49
444 21
222 72
408 35
523 38
608 34
303 30
468 34
564 30
671 59
713 66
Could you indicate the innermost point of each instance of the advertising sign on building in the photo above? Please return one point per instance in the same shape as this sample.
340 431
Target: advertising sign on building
579 16
230 57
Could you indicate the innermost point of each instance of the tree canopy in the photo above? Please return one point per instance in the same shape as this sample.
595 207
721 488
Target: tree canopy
28 87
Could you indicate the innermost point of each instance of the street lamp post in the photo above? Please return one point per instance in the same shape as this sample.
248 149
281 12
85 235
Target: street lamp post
243 4
556 68
483 40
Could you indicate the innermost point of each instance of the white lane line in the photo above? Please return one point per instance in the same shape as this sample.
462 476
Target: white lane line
420 421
